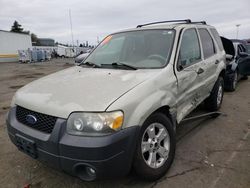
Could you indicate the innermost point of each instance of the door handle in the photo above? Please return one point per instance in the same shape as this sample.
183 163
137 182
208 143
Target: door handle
200 70
217 62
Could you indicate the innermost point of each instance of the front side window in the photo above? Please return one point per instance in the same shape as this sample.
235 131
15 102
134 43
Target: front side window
207 43
190 49
140 49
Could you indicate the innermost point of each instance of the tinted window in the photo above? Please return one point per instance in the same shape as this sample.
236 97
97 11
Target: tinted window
248 48
190 49
217 38
239 48
207 43
243 48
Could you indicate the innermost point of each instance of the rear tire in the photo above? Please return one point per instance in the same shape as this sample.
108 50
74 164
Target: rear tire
214 101
156 147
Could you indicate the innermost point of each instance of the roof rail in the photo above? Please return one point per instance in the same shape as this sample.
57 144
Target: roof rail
169 21
200 22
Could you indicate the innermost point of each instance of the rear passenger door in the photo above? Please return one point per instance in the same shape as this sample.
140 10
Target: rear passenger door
210 60
188 65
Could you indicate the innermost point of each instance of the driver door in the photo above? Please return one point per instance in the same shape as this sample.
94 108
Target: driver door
189 72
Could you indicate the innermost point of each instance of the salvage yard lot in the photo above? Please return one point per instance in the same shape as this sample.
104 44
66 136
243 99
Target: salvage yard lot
210 152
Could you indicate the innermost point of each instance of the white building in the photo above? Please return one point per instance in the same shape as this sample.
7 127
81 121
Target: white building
10 43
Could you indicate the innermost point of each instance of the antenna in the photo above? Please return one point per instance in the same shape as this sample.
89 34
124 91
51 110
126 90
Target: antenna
71 28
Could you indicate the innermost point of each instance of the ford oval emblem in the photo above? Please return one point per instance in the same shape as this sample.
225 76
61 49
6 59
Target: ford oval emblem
31 119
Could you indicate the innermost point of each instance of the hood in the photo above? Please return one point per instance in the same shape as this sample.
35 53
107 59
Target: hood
78 89
228 46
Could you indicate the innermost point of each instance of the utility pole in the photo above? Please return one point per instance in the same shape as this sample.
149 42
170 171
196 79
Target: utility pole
237 30
71 28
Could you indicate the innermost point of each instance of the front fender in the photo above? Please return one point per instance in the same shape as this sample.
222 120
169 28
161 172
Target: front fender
150 104
139 103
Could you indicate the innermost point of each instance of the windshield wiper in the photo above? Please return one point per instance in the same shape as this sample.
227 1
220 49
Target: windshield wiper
124 64
116 64
90 64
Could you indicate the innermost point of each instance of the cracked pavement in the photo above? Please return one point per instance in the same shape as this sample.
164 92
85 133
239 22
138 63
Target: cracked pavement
213 153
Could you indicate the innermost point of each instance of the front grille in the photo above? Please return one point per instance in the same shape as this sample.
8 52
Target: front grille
44 123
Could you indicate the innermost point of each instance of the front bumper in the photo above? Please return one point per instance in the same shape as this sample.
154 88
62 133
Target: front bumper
108 156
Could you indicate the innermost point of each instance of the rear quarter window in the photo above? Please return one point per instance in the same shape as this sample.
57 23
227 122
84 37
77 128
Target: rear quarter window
207 43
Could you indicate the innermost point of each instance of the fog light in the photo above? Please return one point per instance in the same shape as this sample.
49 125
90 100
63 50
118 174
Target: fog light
90 171
85 172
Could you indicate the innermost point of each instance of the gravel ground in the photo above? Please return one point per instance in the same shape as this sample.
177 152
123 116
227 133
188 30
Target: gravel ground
210 152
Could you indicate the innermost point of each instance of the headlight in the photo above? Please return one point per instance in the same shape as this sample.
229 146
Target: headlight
94 124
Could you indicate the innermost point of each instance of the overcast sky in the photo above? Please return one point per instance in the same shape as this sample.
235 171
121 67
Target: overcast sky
92 18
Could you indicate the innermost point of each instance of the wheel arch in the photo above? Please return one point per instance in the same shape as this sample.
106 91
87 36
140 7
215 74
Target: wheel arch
223 74
166 111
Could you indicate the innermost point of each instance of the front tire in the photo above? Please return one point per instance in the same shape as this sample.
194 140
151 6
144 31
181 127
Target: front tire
214 101
156 147
232 84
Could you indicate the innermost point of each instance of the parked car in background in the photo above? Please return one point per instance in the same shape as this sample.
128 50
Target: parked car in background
81 57
120 107
65 51
238 63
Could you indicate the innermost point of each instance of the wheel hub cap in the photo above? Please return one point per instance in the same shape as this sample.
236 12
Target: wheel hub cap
155 145
219 95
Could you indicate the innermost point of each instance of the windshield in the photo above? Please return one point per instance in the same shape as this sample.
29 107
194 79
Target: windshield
139 49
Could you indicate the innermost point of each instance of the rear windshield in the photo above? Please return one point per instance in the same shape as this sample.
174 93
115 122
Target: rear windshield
140 49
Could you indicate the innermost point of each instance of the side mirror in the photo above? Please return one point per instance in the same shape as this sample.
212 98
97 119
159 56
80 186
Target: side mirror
243 54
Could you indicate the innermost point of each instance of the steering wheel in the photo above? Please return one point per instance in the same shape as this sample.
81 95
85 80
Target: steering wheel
157 57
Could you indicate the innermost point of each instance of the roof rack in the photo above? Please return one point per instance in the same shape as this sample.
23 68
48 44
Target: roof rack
200 22
169 21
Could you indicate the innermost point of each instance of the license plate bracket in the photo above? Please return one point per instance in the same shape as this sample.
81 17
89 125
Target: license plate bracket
26 145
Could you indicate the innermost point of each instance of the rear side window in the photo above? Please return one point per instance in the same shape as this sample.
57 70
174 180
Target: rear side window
190 49
217 38
207 43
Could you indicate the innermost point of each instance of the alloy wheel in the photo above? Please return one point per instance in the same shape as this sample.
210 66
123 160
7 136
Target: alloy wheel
155 145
